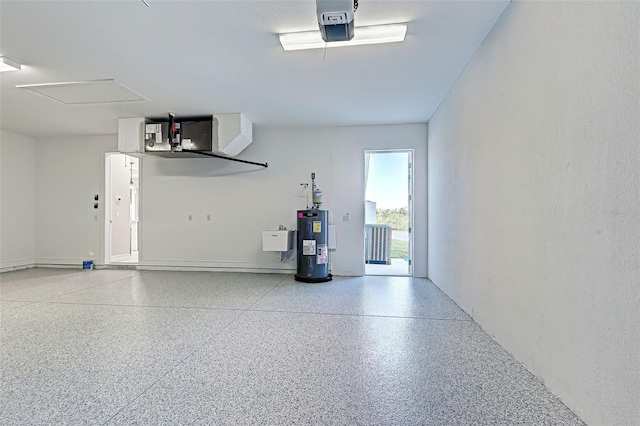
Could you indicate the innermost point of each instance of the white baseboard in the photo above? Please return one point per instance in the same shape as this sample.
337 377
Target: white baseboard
169 265
211 269
16 265
52 262
176 265
163 265
221 266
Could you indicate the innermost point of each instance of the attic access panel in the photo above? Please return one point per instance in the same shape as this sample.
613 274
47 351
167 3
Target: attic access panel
90 92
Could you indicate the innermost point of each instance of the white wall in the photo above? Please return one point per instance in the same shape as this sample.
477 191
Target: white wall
534 198
17 200
70 172
242 205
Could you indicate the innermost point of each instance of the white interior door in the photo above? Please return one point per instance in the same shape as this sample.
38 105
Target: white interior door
119 200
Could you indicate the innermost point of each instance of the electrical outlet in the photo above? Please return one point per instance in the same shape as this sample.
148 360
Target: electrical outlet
208 218
190 218
345 218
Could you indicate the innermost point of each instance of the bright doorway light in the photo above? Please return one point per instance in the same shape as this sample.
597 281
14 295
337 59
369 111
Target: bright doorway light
388 212
361 35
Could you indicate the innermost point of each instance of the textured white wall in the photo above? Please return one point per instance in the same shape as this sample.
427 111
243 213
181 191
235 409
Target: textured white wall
70 171
17 200
243 205
534 198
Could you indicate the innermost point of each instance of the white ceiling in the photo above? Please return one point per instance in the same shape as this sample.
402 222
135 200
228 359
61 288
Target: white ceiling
210 57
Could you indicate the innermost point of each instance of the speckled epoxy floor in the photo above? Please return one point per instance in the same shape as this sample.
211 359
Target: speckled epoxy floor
126 347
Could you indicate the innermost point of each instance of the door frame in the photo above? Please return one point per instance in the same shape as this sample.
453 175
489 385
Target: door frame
121 259
410 201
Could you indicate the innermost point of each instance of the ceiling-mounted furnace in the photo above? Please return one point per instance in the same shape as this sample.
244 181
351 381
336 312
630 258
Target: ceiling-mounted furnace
173 137
222 136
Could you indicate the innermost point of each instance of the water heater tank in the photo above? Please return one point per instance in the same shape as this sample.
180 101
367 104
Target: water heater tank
313 247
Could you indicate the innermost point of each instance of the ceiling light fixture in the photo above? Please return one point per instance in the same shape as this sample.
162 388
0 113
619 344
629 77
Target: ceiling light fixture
7 64
362 35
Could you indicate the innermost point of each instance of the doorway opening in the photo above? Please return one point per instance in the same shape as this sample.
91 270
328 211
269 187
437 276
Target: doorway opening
122 209
388 210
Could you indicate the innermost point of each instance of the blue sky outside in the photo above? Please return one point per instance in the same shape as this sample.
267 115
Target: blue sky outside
387 182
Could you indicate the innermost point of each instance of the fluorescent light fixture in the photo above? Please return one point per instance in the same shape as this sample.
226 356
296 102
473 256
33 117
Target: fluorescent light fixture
361 35
7 64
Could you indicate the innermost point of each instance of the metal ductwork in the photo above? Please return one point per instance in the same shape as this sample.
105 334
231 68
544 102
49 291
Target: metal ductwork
234 134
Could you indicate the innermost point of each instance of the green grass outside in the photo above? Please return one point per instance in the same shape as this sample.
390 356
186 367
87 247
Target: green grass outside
397 218
399 249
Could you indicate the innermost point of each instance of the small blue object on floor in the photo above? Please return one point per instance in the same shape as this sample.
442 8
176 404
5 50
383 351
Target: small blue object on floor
87 264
